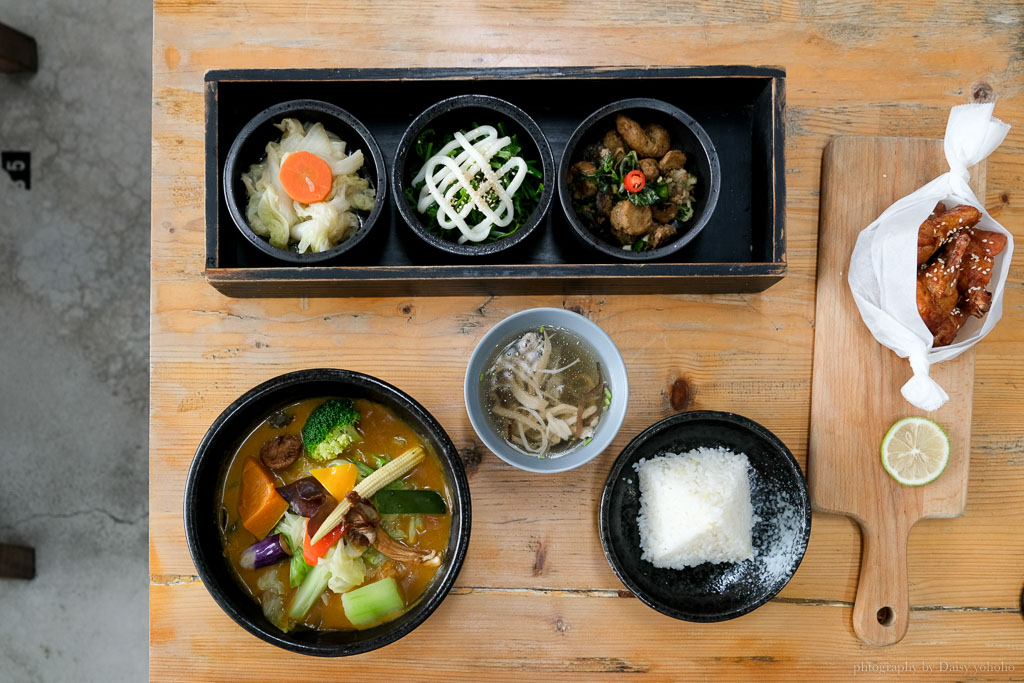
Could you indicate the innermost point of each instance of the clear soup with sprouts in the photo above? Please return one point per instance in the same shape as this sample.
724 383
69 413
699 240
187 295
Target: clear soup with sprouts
544 392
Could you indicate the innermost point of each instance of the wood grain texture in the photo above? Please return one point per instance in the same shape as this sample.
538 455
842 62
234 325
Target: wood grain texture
510 635
749 353
855 393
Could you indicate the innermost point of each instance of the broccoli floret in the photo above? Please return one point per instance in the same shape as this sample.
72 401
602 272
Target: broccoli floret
330 429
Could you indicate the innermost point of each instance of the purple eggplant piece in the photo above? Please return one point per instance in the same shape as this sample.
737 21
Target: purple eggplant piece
313 525
260 554
305 496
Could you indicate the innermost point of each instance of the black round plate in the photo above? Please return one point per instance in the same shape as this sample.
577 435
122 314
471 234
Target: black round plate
710 592
687 135
207 472
249 147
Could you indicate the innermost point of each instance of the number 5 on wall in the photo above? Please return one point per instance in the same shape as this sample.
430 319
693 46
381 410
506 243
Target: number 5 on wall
18 165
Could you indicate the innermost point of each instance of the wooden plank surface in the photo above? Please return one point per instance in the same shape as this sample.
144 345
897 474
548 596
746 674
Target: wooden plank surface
855 394
751 354
504 635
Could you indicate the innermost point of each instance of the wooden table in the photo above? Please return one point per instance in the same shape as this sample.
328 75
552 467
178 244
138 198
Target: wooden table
536 597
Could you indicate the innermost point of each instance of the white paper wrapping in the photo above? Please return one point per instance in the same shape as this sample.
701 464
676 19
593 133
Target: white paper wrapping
883 267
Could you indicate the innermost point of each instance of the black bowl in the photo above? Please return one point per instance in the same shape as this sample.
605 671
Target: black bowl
686 134
457 113
711 592
207 472
249 147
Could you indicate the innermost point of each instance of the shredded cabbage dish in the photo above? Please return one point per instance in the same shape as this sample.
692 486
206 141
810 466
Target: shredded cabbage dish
314 227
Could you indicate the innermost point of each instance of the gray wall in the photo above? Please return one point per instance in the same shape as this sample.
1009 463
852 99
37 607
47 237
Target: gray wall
74 293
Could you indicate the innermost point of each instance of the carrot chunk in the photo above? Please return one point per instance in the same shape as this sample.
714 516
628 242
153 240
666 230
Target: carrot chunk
306 177
259 504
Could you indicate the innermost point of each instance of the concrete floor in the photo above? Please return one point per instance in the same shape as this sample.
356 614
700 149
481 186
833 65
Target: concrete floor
74 294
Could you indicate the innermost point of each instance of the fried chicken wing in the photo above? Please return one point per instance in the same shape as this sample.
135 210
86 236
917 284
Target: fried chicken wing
937 292
976 272
938 227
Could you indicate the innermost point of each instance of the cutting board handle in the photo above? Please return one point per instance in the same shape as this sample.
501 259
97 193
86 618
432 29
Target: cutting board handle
881 612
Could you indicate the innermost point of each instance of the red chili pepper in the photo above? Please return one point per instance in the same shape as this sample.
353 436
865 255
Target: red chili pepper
634 181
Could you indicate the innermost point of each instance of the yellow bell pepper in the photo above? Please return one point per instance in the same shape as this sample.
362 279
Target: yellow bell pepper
338 480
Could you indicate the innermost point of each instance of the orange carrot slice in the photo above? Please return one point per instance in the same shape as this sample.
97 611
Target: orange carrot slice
306 177
259 504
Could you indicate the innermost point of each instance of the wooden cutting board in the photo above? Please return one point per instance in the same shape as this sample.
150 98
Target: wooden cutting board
855 394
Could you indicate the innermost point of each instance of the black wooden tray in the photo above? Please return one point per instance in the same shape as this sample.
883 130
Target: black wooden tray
742 248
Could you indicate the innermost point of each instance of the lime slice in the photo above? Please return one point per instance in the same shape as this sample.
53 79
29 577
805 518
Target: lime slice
915 451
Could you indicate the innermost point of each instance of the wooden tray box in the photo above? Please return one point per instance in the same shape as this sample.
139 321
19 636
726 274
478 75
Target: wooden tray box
742 248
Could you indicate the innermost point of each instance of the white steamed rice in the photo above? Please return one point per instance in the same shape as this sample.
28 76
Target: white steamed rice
695 508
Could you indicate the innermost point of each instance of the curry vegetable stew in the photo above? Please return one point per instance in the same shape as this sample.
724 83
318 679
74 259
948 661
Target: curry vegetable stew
334 515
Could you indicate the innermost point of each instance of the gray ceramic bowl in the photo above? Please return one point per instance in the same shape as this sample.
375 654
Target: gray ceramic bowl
613 368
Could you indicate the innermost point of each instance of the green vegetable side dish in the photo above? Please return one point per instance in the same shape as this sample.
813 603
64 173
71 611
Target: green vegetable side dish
445 166
631 188
330 429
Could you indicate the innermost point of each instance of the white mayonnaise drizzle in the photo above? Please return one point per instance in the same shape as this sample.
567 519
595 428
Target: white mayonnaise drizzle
445 176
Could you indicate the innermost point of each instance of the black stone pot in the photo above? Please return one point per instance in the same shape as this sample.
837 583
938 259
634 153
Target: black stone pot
710 592
249 147
459 113
686 135
208 469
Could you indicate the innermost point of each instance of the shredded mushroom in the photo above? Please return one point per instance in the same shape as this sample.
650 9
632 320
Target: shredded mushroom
535 417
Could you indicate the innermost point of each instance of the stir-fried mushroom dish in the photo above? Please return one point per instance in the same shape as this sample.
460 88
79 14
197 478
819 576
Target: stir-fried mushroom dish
631 187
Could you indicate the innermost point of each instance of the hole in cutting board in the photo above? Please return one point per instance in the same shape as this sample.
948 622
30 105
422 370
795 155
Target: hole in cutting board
886 616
